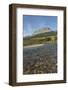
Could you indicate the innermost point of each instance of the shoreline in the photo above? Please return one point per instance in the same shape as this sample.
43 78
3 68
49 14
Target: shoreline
37 45
31 46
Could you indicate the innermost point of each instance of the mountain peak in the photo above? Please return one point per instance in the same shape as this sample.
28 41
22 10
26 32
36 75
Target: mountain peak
42 30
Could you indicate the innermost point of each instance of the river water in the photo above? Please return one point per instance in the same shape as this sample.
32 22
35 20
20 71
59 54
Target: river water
40 56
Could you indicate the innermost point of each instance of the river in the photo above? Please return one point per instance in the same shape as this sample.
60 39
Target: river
37 57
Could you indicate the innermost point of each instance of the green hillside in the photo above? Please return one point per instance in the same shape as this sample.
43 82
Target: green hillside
40 38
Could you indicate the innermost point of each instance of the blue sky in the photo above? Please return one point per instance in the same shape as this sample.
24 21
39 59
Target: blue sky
32 23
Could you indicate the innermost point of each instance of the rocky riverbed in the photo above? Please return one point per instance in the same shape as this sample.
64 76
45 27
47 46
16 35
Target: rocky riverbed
40 59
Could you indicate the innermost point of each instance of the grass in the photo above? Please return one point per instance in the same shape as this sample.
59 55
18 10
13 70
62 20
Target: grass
40 38
32 41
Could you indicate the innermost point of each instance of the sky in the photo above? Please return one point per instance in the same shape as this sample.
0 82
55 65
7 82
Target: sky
32 23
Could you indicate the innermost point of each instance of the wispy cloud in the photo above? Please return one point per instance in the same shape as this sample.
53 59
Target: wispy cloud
27 30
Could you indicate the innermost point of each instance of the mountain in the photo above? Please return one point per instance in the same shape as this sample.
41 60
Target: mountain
42 30
46 34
